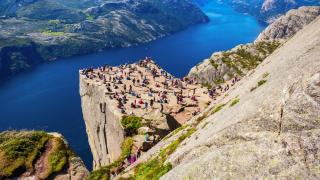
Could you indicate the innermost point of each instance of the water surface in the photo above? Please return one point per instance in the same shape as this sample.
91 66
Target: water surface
47 98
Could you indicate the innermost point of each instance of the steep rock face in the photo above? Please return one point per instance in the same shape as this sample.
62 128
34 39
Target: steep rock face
62 29
286 26
257 130
273 137
222 66
103 126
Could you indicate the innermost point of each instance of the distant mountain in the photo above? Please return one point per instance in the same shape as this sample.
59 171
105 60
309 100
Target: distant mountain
269 10
265 10
33 31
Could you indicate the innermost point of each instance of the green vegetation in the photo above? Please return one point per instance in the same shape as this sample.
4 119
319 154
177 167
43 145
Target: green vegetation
131 124
174 145
207 85
19 150
104 172
90 17
214 64
101 174
265 75
201 118
234 102
260 83
267 48
155 168
59 155
248 60
152 169
217 108
219 81
52 33
175 132
205 125
126 147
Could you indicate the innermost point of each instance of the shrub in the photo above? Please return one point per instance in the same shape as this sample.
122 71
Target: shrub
234 102
217 108
260 83
126 147
131 124
214 64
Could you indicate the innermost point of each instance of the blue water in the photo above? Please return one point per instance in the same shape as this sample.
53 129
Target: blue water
47 97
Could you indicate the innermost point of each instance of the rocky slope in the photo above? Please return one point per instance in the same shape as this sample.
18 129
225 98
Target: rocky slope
115 114
286 26
33 31
222 66
257 130
38 155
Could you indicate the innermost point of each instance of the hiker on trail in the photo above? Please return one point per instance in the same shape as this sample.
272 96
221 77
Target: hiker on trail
146 105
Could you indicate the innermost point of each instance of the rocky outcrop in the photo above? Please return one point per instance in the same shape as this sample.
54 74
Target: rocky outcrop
103 124
258 130
123 104
62 29
38 155
222 66
286 26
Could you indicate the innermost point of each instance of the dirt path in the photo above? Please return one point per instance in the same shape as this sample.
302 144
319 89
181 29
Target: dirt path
41 166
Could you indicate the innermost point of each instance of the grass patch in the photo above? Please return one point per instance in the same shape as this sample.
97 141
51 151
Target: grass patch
219 81
260 83
152 169
205 124
234 102
175 132
207 85
126 147
104 172
174 145
214 64
155 168
100 174
19 149
58 158
131 124
217 108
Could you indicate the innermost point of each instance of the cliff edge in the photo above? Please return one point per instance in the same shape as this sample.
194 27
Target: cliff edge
38 155
267 126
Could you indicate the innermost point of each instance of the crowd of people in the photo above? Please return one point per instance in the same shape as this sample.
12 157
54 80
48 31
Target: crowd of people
145 86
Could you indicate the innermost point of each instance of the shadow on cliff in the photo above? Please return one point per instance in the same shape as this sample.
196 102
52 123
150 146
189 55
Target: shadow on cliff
172 124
